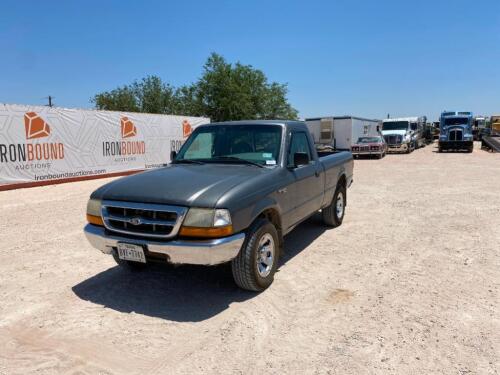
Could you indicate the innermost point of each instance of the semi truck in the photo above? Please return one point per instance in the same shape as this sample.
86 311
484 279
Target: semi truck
479 125
455 131
404 134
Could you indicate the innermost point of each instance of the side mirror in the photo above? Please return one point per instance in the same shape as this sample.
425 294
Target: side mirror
300 158
173 154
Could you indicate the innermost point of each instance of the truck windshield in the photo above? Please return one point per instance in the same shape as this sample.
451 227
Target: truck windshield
395 125
368 139
456 121
232 144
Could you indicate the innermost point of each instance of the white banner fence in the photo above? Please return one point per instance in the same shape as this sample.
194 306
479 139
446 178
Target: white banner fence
40 145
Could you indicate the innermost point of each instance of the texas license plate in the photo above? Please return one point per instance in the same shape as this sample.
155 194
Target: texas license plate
128 251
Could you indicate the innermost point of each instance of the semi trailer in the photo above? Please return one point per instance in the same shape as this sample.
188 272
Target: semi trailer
341 132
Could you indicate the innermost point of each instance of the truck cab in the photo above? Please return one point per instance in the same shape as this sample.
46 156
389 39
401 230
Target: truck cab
478 126
456 131
398 135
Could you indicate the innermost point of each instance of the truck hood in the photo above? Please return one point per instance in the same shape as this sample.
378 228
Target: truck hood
394 132
179 184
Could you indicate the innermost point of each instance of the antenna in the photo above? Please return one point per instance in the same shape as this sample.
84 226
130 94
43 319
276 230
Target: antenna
50 97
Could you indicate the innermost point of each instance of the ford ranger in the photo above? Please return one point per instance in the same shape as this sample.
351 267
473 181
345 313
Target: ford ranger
231 194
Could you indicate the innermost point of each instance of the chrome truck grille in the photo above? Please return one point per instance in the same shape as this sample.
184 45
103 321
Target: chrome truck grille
456 135
143 219
393 140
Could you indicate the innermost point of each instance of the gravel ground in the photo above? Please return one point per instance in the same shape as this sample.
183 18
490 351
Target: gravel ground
409 284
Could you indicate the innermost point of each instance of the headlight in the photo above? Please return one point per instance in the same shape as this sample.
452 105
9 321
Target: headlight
205 222
199 217
205 218
94 212
222 218
94 207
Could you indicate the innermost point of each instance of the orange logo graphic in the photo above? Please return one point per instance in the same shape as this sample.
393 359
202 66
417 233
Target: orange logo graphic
128 128
35 126
186 128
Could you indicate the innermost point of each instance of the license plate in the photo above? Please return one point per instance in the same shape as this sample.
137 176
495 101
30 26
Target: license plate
128 251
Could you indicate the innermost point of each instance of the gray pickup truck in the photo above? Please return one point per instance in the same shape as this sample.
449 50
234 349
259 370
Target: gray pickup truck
231 194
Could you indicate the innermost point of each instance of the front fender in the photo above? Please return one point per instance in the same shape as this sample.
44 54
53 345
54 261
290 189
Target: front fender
265 204
245 216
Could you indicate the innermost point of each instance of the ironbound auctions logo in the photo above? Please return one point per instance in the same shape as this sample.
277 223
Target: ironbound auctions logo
35 127
125 148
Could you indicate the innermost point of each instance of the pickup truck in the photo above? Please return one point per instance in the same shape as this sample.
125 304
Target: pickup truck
231 194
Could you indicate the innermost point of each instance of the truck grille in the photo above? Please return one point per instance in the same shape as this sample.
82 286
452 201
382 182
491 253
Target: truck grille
393 139
143 219
456 135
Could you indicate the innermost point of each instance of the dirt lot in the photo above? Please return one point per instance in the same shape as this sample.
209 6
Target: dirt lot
409 284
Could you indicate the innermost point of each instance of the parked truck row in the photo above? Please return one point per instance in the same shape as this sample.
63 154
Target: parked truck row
455 131
370 137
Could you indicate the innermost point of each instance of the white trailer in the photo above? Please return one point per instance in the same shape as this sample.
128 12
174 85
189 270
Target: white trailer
342 131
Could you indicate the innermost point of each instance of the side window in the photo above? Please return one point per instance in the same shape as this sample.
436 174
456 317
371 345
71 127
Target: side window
298 143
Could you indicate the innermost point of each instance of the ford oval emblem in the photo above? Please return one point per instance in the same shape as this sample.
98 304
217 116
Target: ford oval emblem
135 221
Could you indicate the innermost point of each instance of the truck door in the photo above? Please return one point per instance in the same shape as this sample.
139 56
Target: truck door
308 189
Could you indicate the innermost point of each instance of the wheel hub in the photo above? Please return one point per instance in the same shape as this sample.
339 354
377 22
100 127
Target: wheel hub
339 205
265 255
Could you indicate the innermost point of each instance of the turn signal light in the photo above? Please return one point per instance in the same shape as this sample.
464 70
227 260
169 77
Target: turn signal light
211 232
96 220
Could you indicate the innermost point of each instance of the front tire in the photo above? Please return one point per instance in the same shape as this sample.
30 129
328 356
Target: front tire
254 267
334 213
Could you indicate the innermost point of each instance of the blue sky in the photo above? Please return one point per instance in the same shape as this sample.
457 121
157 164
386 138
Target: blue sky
366 58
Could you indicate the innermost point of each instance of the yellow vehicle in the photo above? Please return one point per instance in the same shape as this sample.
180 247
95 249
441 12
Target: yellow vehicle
491 140
495 124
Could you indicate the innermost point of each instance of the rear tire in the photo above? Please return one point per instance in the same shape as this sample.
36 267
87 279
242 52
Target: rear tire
254 267
334 213
128 265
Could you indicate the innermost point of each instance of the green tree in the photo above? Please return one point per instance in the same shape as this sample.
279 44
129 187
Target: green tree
154 96
237 92
224 92
119 99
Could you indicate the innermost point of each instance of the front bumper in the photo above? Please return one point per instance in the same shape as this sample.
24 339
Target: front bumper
455 145
403 147
378 152
202 252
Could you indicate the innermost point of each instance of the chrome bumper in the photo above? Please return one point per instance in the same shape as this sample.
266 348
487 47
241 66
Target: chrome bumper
398 148
203 252
378 152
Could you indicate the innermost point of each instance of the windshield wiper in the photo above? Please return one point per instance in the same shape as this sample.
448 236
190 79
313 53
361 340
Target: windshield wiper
186 161
236 159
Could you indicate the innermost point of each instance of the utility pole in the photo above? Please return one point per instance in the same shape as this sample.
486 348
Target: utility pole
50 97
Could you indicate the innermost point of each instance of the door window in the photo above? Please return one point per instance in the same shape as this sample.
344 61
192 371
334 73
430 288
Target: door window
299 143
